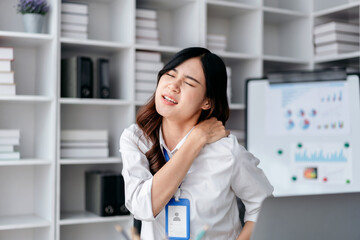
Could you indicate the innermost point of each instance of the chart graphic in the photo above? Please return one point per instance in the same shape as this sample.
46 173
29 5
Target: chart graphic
308 109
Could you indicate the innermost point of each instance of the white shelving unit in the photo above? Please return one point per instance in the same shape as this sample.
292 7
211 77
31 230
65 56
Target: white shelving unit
42 195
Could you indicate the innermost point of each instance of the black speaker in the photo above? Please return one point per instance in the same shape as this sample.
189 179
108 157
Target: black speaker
77 77
104 193
101 193
103 78
120 190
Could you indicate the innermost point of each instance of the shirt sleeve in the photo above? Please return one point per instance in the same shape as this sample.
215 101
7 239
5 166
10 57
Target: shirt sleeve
249 182
137 177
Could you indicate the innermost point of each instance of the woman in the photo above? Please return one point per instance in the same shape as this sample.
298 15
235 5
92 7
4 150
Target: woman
182 169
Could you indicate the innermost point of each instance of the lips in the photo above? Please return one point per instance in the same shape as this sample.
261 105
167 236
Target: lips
169 99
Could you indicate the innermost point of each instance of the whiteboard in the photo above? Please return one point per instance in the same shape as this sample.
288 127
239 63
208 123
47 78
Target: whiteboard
306 134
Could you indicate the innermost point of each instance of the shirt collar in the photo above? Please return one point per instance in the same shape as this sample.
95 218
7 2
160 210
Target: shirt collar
178 146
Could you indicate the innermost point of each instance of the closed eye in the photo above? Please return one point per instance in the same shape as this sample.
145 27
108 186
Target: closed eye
170 75
189 84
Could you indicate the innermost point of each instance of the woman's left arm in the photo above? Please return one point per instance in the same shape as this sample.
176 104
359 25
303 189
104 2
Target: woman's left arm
245 233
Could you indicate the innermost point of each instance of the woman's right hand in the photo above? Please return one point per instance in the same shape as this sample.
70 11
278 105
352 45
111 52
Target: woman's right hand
211 130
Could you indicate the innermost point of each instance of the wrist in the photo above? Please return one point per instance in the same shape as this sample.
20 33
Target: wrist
198 137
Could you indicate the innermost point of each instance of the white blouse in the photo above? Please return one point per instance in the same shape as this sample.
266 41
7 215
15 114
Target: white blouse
221 171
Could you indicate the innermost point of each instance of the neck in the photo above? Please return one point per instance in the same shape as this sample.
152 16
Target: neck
173 132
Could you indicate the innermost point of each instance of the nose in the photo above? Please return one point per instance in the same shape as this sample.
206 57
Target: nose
174 86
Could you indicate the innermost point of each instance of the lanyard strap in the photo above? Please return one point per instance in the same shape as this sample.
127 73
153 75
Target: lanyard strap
178 192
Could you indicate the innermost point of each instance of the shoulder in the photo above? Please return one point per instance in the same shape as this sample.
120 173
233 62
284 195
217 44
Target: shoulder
135 136
227 145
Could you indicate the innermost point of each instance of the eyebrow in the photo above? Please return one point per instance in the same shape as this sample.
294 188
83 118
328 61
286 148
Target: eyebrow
187 76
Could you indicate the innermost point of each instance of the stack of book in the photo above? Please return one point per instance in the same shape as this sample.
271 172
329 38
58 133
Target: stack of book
228 90
74 20
84 144
148 64
7 84
9 138
335 38
146 27
216 42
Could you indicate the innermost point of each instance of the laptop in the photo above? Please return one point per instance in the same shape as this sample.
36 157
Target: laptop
327 216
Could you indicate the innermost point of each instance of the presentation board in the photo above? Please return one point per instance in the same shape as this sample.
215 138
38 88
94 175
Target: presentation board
306 134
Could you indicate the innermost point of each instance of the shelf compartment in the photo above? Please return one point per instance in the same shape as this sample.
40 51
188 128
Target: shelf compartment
289 5
287 36
113 160
10 20
37 78
25 162
107 28
95 46
350 64
241 70
120 66
24 98
348 7
30 228
73 218
175 30
330 5
89 101
36 122
233 23
339 57
28 201
107 117
22 222
72 190
99 230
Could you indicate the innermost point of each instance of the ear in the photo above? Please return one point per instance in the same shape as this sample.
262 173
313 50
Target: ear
207 104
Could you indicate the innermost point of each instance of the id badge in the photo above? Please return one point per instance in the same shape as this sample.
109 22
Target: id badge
177 219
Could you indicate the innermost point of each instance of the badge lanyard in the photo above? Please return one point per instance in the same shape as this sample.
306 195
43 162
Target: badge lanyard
177 215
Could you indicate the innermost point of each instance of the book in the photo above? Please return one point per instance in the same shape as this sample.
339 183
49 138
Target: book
84 135
12 133
71 34
145 86
148 56
84 152
5 65
6 53
74 18
336 26
6 148
147 33
336 48
103 79
146 76
7 89
216 38
146 13
74 27
147 41
78 8
7 77
10 156
146 23
83 144
9 141
333 36
149 66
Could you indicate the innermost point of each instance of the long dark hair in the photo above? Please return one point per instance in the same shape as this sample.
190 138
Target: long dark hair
214 69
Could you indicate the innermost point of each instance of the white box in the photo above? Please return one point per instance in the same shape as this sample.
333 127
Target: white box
7 89
10 156
149 66
7 77
148 56
146 23
9 133
146 41
336 47
79 35
147 33
78 8
336 26
84 152
146 13
84 135
333 36
74 18
5 65
145 87
6 53
146 76
74 27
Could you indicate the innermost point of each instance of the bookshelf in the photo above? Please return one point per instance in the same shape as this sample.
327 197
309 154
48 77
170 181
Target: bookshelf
42 195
